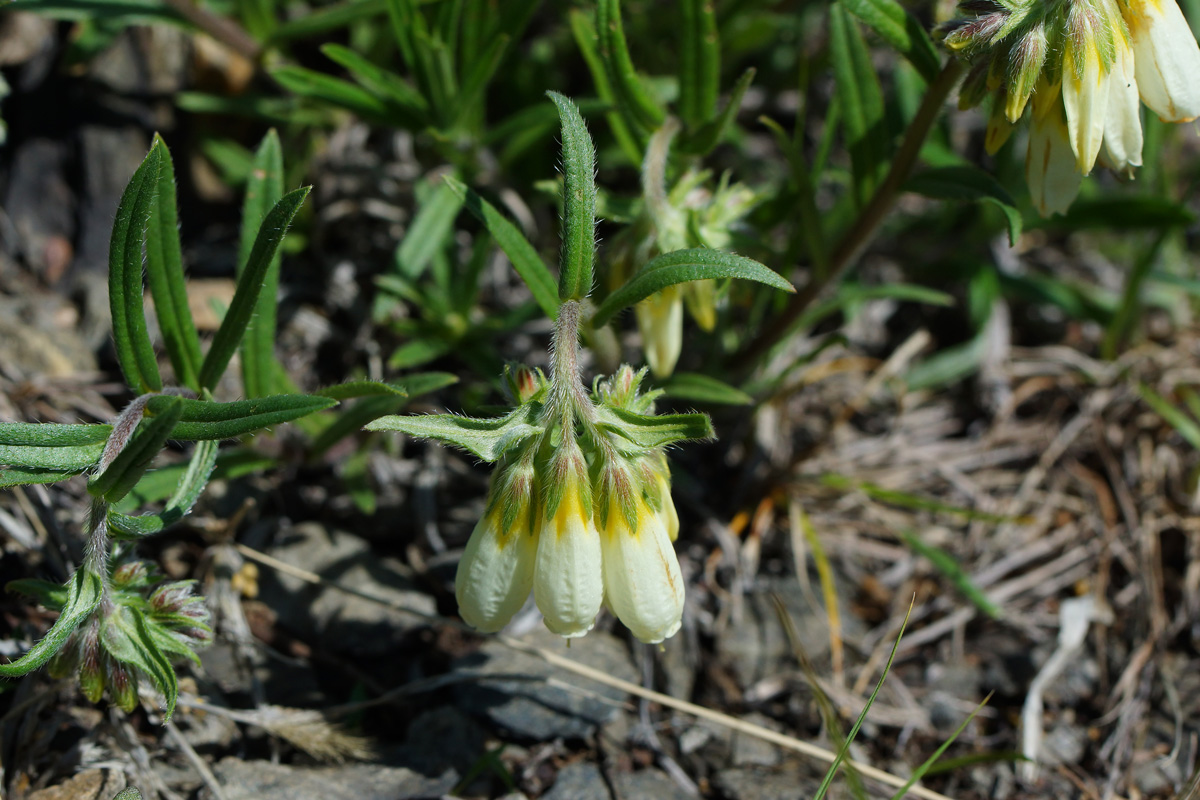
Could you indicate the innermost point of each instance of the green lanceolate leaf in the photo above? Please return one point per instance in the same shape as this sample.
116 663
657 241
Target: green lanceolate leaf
334 91
861 100
697 388
968 183
23 476
191 486
72 459
249 285
584 31
131 463
708 136
164 273
632 97
46 434
83 595
206 421
135 353
646 432
430 229
579 203
523 256
488 439
699 62
385 84
681 266
901 30
352 389
263 190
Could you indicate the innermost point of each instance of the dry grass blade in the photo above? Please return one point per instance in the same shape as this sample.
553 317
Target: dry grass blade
309 731
733 723
829 714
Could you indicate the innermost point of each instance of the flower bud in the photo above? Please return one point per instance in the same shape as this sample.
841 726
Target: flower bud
523 383
122 685
131 575
660 319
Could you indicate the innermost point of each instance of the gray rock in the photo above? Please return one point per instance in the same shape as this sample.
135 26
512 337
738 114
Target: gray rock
648 784
262 780
578 781
762 784
340 621
757 646
751 750
522 702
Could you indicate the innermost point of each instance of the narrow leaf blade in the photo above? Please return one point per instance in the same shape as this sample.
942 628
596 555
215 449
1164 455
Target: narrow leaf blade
135 353
521 254
263 190
164 273
250 283
579 202
681 266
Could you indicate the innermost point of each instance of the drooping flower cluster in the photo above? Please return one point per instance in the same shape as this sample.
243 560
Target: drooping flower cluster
581 523
112 647
579 511
1080 67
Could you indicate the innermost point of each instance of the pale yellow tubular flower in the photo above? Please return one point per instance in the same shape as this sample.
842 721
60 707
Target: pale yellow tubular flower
1085 86
1050 162
567 583
660 320
1122 149
496 571
642 581
1166 58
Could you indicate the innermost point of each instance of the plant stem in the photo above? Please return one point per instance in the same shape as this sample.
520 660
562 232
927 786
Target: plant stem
855 240
1129 311
224 30
567 396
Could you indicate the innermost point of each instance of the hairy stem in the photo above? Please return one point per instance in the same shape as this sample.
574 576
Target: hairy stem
855 240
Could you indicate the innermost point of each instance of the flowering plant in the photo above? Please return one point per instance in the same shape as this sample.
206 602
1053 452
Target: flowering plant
580 507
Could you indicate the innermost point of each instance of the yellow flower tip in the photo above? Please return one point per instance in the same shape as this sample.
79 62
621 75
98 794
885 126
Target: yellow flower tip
642 582
567 583
495 573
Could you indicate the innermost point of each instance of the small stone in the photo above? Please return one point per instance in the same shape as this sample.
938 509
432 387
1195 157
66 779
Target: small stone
93 784
648 783
578 781
752 751
762 784
262 780
519 700
341 621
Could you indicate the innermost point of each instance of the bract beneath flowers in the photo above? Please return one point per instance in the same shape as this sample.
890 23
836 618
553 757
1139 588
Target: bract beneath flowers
1080 66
